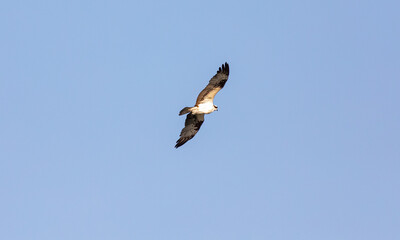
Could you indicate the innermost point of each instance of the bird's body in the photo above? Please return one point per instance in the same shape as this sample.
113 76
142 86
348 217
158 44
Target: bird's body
204 105
206 108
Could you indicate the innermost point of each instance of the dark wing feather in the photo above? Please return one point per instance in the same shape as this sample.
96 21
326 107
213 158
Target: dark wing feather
216 83
192 126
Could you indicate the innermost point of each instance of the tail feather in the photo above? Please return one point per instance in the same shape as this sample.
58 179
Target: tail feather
185 110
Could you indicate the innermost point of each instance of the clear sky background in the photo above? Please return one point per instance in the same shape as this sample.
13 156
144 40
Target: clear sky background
305 145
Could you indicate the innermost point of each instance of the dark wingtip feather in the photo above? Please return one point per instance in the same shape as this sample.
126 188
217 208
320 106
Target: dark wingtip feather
224 68
181 141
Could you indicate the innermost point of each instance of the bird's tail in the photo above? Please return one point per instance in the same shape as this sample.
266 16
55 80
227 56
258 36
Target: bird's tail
185 110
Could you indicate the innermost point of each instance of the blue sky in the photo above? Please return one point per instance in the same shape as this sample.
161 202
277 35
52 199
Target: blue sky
305 145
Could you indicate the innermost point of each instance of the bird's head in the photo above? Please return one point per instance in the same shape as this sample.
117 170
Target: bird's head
215 108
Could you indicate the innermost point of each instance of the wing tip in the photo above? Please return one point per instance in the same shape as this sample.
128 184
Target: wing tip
224 69
181 141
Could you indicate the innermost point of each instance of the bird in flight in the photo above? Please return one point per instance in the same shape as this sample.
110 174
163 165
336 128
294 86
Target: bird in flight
204 105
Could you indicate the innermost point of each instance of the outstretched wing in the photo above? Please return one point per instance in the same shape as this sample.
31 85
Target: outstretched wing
192 126
216 83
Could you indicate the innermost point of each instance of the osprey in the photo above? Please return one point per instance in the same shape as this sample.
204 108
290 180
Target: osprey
204 105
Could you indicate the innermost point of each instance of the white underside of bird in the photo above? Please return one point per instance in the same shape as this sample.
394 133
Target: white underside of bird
204 108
